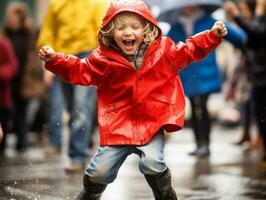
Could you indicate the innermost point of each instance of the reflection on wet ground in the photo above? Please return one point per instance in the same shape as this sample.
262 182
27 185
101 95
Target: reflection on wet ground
230 173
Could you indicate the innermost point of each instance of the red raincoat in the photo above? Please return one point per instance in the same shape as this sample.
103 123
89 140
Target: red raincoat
133 105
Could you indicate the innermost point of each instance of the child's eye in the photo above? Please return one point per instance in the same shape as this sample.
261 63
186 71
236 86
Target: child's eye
120 28
135 27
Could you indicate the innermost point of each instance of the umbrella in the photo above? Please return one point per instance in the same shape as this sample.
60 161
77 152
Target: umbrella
171 8
154 6
153 2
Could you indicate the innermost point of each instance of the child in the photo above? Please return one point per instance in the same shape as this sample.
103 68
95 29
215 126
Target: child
140 94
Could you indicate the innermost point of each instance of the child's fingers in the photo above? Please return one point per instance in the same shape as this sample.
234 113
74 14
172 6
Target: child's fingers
42 53
46 48
42 57
46 53
221 28
223 32
219 23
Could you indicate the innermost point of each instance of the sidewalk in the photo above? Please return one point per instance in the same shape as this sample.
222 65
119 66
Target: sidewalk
228 174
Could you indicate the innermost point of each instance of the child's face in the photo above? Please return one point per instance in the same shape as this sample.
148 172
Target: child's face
128 32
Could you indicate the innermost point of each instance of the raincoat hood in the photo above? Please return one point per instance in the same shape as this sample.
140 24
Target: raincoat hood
135 6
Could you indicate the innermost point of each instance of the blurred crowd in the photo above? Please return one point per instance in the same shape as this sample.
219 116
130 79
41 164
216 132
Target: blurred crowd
34 101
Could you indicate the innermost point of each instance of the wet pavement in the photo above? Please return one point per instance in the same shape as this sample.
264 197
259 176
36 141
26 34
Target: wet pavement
230 173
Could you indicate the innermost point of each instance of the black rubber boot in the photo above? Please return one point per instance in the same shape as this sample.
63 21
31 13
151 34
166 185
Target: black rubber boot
91 190
161 185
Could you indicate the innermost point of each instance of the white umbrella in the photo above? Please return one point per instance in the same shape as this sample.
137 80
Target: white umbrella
169 9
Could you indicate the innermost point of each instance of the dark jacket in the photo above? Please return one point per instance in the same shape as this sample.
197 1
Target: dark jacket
255 51
21 40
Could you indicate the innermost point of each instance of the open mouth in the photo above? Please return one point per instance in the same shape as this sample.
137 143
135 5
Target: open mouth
129 43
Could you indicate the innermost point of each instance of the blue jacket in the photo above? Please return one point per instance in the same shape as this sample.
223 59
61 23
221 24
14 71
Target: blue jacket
204 77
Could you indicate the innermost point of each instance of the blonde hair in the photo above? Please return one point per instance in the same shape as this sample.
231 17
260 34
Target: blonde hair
106 34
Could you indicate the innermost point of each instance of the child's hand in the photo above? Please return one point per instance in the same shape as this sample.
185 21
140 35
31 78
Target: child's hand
46 53
219 29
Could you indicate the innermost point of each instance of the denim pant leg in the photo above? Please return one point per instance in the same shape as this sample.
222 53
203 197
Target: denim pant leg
104 165
82 116
152 155
55 110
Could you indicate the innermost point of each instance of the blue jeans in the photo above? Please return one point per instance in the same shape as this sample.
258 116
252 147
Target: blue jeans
80 102
105 164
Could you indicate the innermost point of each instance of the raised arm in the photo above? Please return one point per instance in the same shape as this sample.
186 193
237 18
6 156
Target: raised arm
198 46
71 68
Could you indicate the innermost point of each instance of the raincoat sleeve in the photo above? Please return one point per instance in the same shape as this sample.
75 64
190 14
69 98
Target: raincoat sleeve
75 70
196 48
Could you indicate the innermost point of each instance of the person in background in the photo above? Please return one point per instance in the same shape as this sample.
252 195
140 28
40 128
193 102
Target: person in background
255 54
8 69
240 85
140 93
19 29
203 78
71 27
